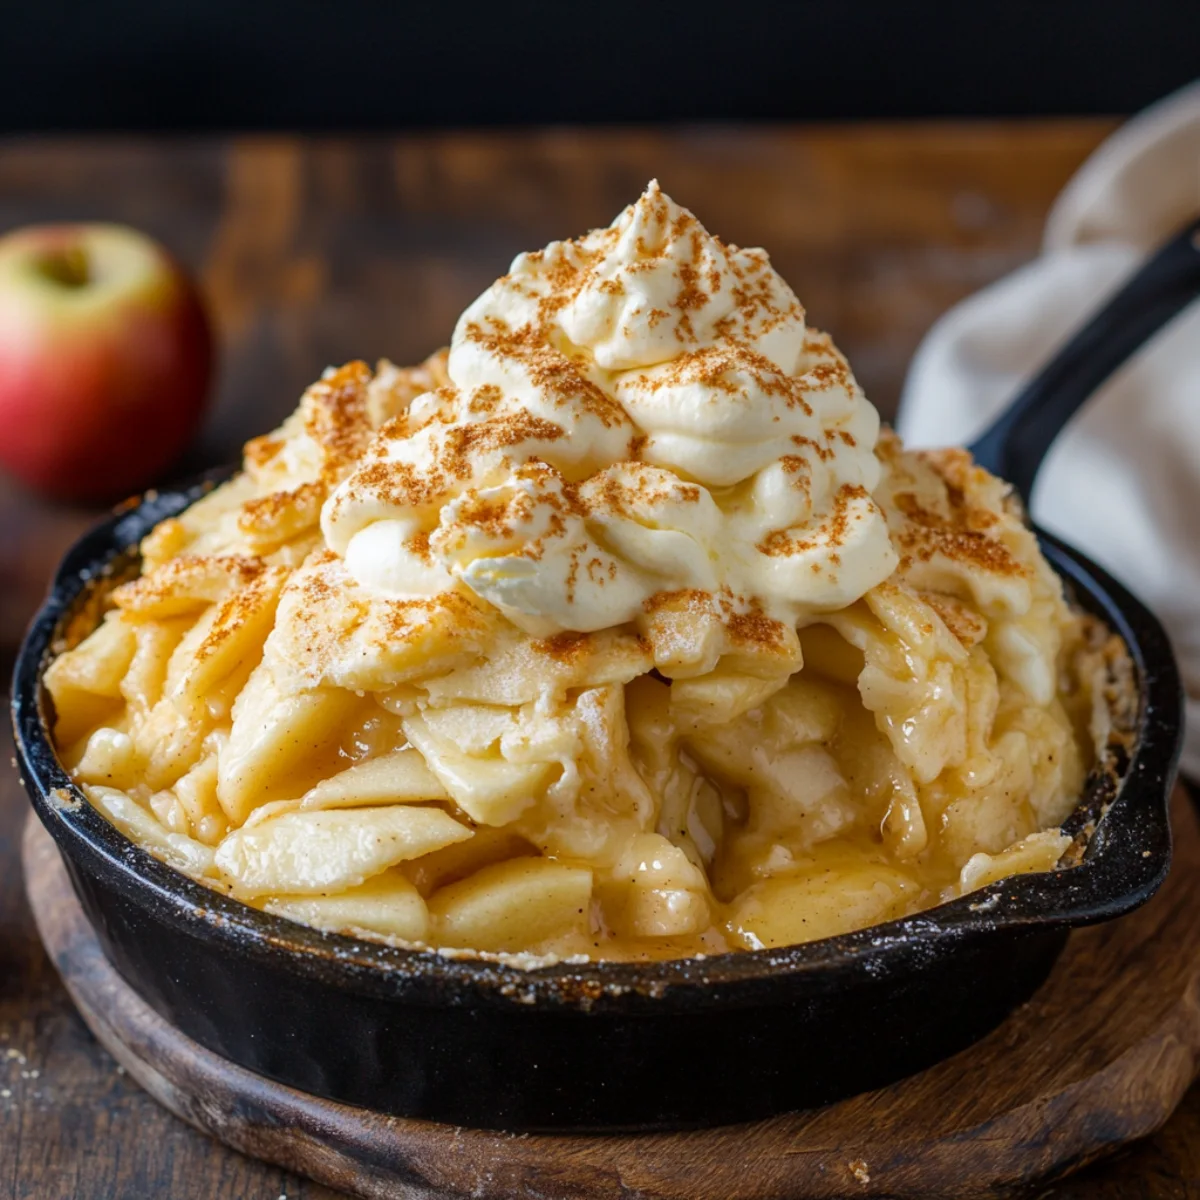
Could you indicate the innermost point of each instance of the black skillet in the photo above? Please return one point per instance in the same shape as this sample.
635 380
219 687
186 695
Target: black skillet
623 1046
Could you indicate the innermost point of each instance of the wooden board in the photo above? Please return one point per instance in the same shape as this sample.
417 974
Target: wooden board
1101 1056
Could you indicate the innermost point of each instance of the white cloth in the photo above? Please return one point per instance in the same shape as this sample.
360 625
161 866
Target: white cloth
1123 480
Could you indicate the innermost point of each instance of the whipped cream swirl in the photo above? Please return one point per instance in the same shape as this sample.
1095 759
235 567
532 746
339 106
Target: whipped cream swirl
636 412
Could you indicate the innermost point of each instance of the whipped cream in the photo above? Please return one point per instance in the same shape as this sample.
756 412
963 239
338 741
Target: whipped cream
639 411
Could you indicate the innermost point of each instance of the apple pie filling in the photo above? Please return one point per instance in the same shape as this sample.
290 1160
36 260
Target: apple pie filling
617 631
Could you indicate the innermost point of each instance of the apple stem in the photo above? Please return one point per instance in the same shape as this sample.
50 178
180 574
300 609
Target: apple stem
67 265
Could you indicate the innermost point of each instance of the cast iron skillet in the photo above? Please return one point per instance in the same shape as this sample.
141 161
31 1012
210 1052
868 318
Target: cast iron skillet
623 1046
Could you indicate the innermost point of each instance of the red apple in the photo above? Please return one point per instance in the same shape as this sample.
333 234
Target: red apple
105 359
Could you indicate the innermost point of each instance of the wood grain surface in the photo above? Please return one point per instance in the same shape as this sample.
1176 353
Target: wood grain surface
317 251
1099 1057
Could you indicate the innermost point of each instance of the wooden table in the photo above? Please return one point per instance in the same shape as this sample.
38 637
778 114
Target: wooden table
313 252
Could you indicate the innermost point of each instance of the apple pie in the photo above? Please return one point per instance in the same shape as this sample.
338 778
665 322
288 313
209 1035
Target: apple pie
618 630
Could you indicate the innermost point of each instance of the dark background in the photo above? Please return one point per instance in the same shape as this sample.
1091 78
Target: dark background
385 64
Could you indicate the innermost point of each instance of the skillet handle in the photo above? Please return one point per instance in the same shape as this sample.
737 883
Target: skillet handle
1019 439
